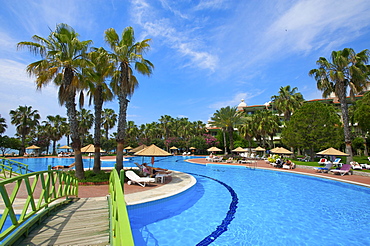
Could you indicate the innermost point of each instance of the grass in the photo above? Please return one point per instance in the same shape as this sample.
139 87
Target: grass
315 164
90 176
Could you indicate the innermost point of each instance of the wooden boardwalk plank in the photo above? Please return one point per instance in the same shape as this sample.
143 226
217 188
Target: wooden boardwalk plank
84 222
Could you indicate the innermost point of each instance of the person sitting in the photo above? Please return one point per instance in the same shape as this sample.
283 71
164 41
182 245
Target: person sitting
279 163
59 167
152 171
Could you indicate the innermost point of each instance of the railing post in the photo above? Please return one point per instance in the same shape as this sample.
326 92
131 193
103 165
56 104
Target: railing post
122 178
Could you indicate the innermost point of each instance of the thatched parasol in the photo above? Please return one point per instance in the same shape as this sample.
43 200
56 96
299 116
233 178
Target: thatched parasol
333 152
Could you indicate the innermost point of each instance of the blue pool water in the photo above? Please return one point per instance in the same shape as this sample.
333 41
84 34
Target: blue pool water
239 206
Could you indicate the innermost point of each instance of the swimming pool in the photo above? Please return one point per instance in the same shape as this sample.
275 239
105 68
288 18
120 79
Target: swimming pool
239 206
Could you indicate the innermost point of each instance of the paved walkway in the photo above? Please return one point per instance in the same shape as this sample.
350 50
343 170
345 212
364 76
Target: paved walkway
84 222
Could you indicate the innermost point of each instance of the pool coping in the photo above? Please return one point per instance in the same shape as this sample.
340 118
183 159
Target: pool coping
180 182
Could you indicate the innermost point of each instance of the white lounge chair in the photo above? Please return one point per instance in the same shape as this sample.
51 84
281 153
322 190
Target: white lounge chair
346 168
291 166
322 161
355 165
134 178
337 161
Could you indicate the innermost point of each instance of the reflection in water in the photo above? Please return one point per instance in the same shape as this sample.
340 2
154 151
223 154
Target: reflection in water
142 215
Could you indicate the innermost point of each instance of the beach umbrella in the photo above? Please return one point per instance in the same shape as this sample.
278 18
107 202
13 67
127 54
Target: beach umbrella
65 147
239 149
128 148
141 147
214 149
281 150
259 149
152 151
173 148
333 152
90 149
33 147
192 148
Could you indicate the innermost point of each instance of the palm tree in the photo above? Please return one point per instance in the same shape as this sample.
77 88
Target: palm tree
63 56
287 101
109 119
346 68
127 52
25 119
165 122
227 118
3 125
85 121
99 92
55 127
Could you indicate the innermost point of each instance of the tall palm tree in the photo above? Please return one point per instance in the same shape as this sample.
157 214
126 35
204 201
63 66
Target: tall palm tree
109 119
55 127
346 68
3 125
127 52
25 119
62 57
99 92
165 122
227 118
287 101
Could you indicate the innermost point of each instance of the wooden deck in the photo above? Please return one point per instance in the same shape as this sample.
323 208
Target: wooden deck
84 222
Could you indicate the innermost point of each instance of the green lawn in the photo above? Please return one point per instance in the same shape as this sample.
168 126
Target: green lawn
315 164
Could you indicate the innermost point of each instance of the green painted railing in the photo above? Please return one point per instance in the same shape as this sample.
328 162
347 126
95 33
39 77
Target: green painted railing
28 198
120 229
10 168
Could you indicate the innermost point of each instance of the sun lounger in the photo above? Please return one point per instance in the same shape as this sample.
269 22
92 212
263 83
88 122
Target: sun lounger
346 168
325 169
322 161
355 165
291 166
134 178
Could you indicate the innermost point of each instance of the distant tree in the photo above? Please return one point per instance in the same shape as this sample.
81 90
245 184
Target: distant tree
25 119
109 119
314 126
287 101
362 117
3 125
227 119
7 143
55 127
85 121
346 68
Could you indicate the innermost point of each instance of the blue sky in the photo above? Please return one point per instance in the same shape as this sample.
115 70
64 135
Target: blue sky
207 54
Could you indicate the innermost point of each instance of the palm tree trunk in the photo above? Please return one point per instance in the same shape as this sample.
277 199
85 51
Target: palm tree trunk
225 145
347 133
231 138
71 113
54 147
97 133
121 130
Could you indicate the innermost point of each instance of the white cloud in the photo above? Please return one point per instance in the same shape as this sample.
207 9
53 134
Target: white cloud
309 25
183 41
